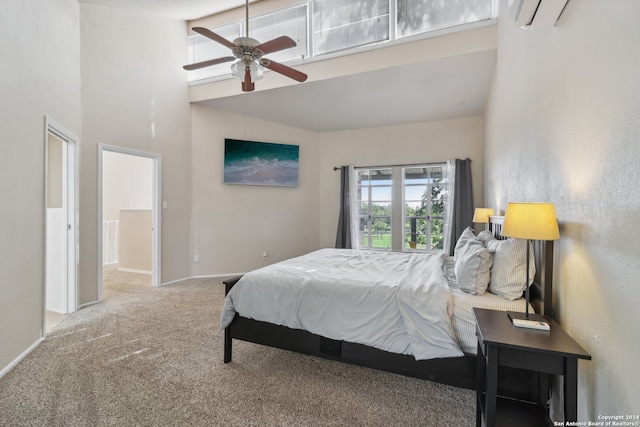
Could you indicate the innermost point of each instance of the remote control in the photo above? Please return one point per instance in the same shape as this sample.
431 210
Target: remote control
531 324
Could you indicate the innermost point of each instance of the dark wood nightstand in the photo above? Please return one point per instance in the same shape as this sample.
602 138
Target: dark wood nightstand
547 352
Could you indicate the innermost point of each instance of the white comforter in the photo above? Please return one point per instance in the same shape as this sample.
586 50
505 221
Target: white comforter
397 302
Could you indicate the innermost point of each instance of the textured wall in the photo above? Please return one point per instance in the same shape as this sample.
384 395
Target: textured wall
232 225
435 141
39 75
562 127
135 95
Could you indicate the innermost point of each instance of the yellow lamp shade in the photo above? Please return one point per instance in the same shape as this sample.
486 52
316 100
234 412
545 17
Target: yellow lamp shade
481 215
532 221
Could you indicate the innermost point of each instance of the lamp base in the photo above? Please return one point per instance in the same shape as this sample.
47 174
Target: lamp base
532 316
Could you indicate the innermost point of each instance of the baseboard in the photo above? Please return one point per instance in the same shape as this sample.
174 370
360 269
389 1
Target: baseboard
210 276
133 270
11 365
81 306
87 304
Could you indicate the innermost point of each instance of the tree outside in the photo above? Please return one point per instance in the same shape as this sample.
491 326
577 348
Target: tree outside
423 223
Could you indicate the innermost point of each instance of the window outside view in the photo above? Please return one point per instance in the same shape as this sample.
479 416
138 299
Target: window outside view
423 199
425 193
375 203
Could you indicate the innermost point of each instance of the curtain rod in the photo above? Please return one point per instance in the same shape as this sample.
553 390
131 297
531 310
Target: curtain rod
335 168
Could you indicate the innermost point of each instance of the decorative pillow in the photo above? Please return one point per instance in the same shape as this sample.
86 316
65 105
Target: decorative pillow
472 267
509 270
486 237
467 234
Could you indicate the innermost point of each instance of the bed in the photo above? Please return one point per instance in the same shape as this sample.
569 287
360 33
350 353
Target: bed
403 355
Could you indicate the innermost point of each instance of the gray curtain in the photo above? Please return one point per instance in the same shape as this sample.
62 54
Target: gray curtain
343 237
462 201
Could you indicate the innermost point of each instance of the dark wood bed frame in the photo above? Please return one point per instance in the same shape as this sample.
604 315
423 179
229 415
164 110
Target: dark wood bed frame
456 371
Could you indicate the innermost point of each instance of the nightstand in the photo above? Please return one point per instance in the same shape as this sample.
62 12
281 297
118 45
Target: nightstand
550 352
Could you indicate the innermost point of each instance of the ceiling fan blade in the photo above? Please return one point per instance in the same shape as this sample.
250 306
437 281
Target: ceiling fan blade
213 36
283 69
210 62
279 43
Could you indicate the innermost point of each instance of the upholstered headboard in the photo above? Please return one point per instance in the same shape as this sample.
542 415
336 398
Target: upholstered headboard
541 291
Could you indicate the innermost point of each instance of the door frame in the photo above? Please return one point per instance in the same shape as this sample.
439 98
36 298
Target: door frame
73 214
155 207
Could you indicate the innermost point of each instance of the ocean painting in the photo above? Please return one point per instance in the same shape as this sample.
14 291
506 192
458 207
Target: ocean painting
260 163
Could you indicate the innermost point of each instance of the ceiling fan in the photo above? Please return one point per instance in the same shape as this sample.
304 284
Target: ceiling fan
250 53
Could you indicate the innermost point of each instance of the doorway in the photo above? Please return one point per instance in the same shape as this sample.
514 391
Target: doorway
129 235
61 220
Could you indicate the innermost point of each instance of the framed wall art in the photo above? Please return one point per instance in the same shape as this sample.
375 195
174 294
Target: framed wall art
260 163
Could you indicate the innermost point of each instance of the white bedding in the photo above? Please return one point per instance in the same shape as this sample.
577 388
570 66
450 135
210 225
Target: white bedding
464 322
398 302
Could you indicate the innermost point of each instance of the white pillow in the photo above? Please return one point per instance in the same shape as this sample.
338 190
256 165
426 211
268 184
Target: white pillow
509 270
467 234
486 237
472 267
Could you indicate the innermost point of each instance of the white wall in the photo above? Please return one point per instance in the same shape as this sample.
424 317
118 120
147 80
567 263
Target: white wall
127 183
435 141
562 127
40 75
127 196
232 225
135 95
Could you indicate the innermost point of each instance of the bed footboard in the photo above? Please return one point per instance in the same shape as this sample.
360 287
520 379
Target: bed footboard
228 345
228 284
456 371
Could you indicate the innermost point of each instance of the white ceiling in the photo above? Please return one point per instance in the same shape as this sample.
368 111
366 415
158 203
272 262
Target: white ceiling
184 10
441 89
438 89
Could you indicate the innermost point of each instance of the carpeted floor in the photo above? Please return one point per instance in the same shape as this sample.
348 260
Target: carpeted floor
153 357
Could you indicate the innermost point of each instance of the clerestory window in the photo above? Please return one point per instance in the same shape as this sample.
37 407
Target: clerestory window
338 26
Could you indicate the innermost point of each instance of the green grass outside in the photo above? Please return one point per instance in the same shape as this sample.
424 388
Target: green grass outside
380 242
384 242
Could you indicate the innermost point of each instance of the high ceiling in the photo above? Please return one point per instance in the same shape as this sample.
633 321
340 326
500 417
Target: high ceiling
431 90
175 9
451 87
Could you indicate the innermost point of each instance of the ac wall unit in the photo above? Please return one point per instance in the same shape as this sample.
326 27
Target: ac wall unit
537 14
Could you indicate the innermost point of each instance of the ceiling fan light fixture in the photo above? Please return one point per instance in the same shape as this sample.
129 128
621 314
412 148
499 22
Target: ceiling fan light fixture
256 71
250 52
237 69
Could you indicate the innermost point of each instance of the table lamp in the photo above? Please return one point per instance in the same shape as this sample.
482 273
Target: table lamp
481 216
530 221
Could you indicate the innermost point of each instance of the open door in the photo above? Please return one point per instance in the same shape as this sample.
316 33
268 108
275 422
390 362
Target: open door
61 217
129 194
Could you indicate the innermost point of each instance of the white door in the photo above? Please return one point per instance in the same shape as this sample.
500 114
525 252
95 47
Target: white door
61 223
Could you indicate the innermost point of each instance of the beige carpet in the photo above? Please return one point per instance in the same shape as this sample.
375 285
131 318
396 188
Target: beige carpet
153 357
